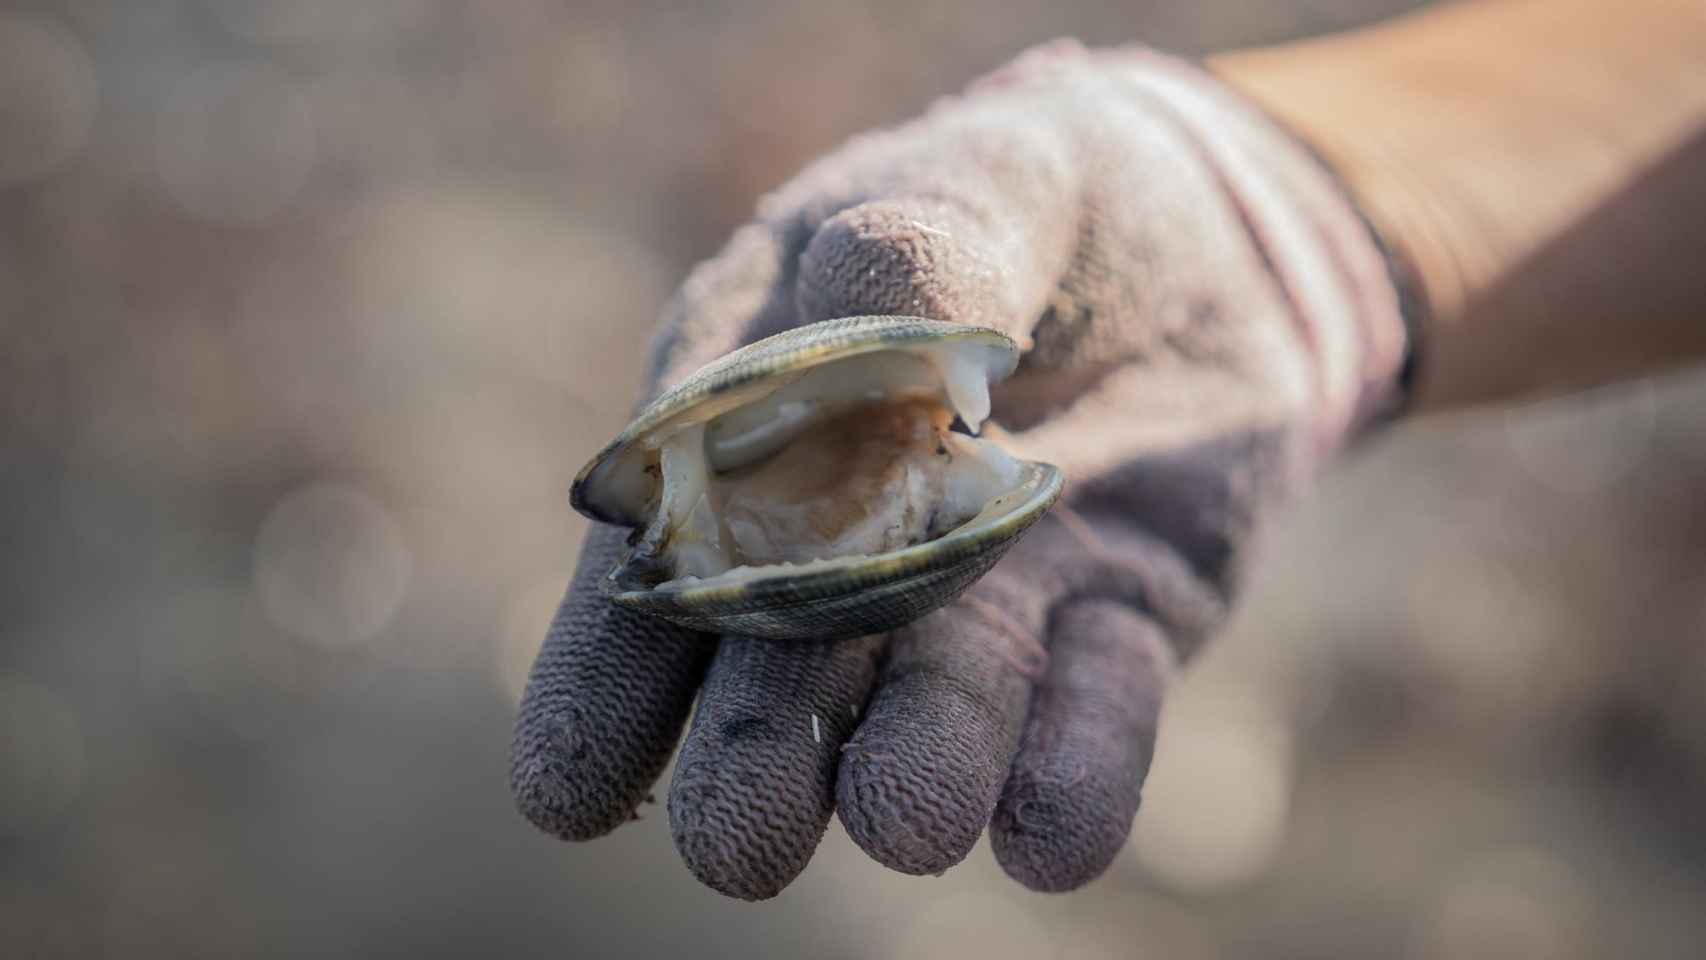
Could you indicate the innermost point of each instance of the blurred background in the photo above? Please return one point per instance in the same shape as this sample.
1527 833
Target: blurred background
308 312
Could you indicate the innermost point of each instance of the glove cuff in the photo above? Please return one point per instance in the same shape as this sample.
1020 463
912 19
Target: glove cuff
1406 281
1356 302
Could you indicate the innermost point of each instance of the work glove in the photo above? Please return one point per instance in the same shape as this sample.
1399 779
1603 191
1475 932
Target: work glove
1204 321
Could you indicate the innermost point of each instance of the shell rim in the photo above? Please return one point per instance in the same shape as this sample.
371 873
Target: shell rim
697 386
891 566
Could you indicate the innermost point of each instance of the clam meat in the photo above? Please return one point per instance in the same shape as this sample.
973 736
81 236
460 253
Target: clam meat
825 482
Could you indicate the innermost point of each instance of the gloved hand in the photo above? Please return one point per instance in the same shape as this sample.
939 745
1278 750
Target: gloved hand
1205 319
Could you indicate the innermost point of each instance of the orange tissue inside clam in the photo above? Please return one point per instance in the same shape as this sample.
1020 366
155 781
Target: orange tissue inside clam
803 481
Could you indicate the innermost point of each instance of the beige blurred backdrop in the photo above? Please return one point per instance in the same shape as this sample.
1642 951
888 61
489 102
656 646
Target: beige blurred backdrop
308 312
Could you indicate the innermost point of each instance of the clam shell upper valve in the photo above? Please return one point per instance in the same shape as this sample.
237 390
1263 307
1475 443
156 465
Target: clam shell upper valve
812 485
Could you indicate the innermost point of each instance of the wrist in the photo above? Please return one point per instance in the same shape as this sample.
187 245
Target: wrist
1475 137
1320 91
1334 273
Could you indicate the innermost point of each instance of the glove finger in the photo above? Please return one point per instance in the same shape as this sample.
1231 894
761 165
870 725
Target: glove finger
605 704
1075 785
972 219
920 779
754 786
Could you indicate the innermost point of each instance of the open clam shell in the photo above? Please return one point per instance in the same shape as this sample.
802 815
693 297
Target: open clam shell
810 486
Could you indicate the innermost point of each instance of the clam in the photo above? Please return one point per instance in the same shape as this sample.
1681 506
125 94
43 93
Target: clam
823 483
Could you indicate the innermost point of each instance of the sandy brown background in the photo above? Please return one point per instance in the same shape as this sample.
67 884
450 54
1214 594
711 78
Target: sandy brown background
308 312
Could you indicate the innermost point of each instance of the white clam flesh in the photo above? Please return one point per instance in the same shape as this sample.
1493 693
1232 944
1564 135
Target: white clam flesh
823 481
855 458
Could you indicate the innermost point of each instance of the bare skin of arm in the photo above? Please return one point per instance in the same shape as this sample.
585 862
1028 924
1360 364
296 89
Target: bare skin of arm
1541 164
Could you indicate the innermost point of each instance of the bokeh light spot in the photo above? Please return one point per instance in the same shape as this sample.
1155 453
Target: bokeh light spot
316 21
331 566
47 98
1131 925
1216 804
1452 600
1586 443
41 755
978 925
235 144
1513 902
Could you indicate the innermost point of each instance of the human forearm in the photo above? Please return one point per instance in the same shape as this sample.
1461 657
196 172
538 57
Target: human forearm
1541 166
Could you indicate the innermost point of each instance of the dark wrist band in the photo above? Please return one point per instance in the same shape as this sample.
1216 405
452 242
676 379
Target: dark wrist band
1412 298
